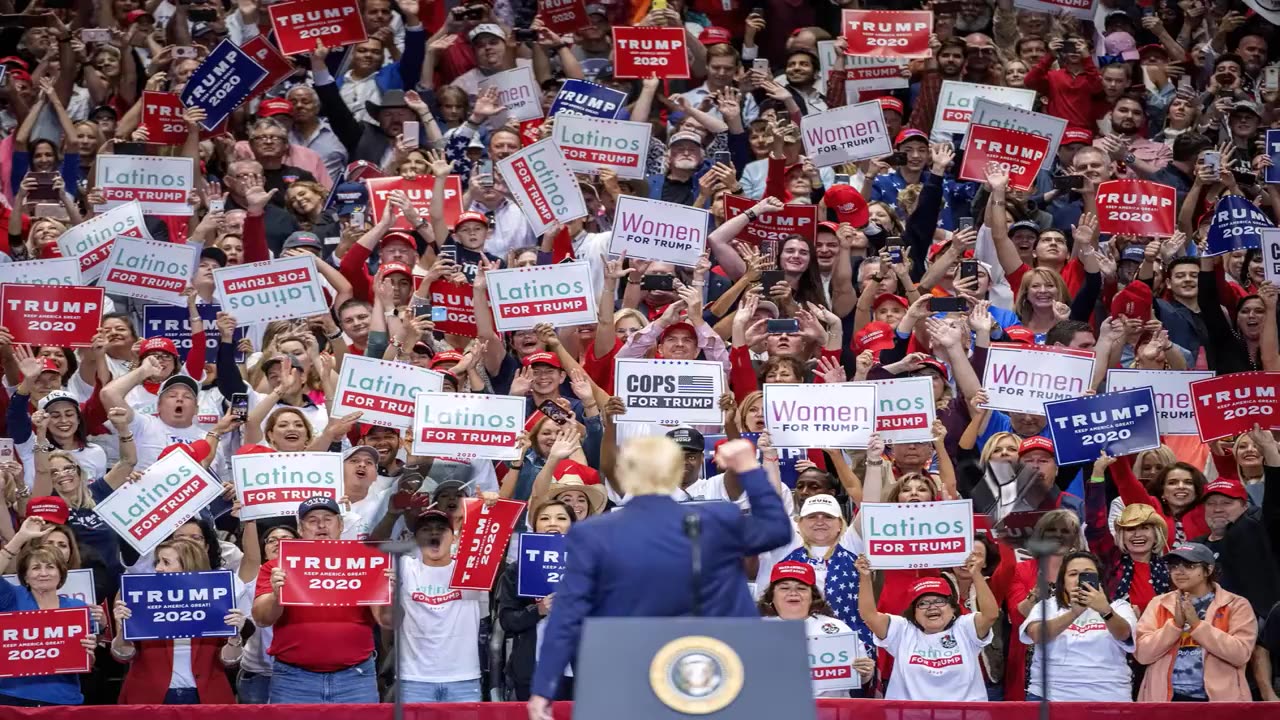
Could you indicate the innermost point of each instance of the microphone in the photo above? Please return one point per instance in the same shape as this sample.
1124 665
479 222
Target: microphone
693 531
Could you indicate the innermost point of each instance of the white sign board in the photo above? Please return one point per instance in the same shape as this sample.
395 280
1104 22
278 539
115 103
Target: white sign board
150 270
517 91
908 536
590 144
904 409
846 134
820 415
956 102
384 391
831 661
78 585
1082 9
168 494
90 241
558 294
271 290
162 185
1270 253
1175 414
273 484
655 230
670 392
58 271
468 426
1022 379
543 185
994 114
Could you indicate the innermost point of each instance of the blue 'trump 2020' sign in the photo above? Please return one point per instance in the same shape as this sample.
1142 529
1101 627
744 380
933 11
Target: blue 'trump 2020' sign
222 82
1120 423
178 604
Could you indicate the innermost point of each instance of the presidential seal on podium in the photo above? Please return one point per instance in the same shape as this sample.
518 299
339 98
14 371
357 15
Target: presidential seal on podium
696 675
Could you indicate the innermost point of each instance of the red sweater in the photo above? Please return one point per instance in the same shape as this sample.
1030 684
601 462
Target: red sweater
152 668
1067 96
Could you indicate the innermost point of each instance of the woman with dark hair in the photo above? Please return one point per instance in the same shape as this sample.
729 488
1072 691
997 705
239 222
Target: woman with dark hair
522 617
1176 492
992 657
1237 345
1086 637
782 369
801 278
793 595
935 647
43 154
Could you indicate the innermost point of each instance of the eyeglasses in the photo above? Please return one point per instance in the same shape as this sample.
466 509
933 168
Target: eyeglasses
248 176
931 604
267 138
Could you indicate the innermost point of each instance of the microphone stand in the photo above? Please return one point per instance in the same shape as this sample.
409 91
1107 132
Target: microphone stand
1043 550
693 531
397 550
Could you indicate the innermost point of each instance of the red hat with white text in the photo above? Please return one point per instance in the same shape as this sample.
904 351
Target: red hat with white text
928 586
50 509
793 570
1035 442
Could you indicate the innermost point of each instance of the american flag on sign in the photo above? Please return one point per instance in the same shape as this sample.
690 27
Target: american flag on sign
695 384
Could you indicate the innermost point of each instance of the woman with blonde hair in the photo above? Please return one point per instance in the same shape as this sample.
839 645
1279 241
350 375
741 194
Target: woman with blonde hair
304 199
749 416
1043 301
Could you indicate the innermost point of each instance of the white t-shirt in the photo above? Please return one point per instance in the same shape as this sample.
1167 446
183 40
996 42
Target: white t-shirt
441 626
940 666
1087 662
91 458
151 435
358 522
816 626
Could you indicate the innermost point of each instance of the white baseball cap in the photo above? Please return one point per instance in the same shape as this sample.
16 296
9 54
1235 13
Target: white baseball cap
824 504
487 29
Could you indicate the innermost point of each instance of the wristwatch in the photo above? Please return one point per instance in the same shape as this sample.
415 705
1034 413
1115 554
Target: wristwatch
1110 614
751 214
1130 159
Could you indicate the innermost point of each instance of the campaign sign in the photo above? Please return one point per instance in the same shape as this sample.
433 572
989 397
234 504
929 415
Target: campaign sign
1082 9
543 185
169 493
787 457
1117 423
591 144
150 270
956 101
1022 379
1236 225
846 134
639 52
558 294
1269 242
162 118
458 302
223 81
1228 405
271 290
90 241
655 230
792 219
904 409
670 391
820 416
1136 207
831 661
579 97
564 16
1017 153
173 322
468 426
482 544
161 185
278 67
273 484
888 33
1172 390
909 536
418 192
517 91
384 391
77 586
333 573
998 115
541 564
300 24
44 642
51 314
1272 175
58 271
871 73
170 605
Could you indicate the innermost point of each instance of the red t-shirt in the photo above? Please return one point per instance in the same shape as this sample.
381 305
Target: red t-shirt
319 639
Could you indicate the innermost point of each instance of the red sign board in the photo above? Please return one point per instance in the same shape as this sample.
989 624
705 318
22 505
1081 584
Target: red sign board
531 131
1136 207
333 573
278 66
1228 405
162 118
791 220
418 191
564 16
888 33
51 314
643 51
43 642
483 543
456 299
299 24
1018 153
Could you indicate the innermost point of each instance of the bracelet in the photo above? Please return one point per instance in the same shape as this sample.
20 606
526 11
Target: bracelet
875 463
751 214
211 433
126 438
47 447
336 335
6 549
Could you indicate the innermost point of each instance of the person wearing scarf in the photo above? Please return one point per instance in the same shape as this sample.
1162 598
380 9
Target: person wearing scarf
1132 561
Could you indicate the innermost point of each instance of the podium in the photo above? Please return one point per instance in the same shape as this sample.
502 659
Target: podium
692 667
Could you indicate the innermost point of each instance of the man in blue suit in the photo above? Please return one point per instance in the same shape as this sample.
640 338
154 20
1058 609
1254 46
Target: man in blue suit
636 562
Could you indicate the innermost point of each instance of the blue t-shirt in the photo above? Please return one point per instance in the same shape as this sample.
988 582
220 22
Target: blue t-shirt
90 529
53 689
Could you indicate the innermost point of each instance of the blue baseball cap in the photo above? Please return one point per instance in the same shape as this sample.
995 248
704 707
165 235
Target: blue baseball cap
349 197
1134 253
319 502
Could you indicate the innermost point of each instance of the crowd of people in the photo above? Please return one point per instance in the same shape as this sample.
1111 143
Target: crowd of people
1163 577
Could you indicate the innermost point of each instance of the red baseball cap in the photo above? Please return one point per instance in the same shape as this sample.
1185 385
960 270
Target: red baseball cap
936 366
874 336
793 570
714 35
445 356
1071 136
471 216
543 358
407 238
254 449
1227 486
1134 301
134 16
889 297
50 508
929 586
910 134
1035 442
888 102
1019 334
848 204
681 325
48 365
157 344
396 268
200 449
274 106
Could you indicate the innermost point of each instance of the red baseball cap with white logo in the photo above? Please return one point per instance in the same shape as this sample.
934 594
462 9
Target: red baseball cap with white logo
50 509
157 344
929 586
1229 487
543 358
1035 442
793 570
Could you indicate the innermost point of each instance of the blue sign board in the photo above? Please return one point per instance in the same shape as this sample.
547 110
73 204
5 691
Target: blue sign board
579 97
787 457
171 605
541 564
1235 225
173 322
1119 423
1273 150
222 82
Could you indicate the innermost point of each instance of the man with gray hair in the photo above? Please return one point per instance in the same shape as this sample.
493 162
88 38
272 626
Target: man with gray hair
246 190
269 141
311 131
